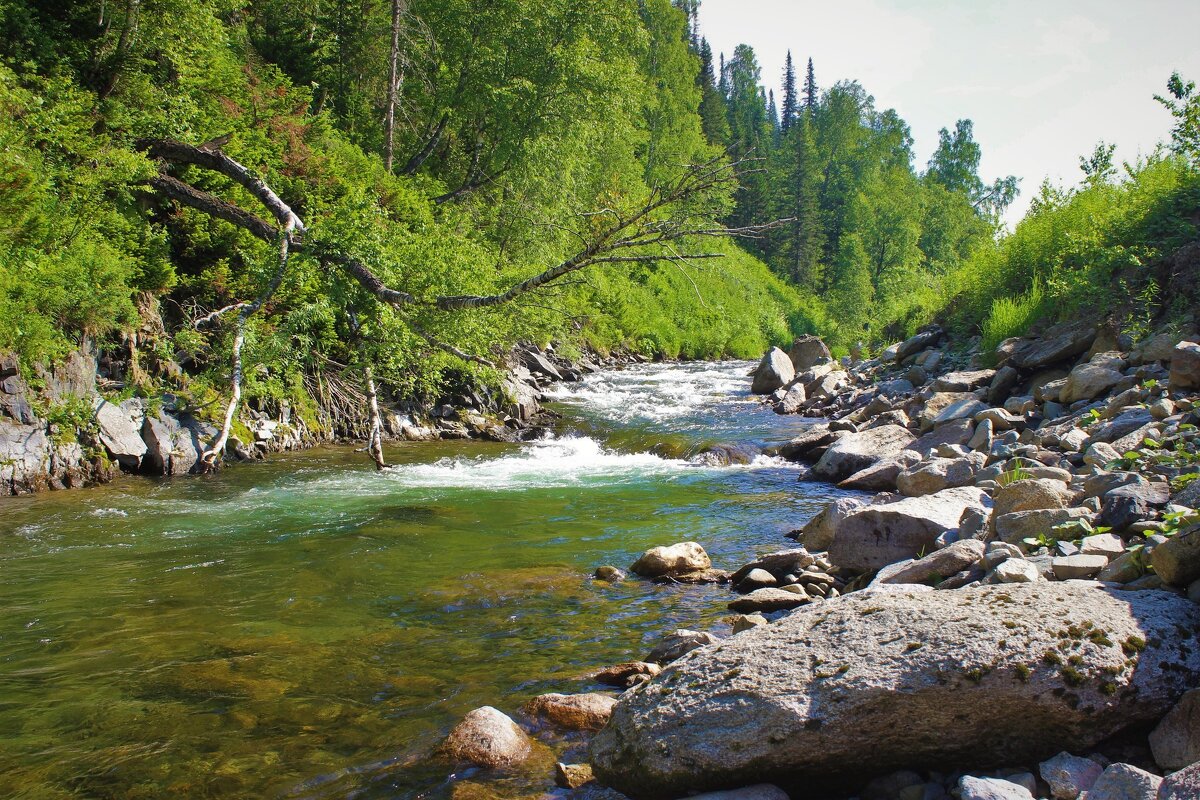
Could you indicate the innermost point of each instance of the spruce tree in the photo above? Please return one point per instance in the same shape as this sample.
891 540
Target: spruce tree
713 114
810 89
773 115
787 114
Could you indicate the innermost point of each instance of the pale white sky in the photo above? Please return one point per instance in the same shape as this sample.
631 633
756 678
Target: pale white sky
1043 80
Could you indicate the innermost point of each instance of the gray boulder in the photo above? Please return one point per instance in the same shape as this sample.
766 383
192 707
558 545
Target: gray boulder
1032 494
857 451
808 351
1091 380
817 534
774 371
678 644
675 559
1185 367
1068 775
876 536
1176 741
1177 560
1057 344
1125 782
967 381
940 564
1181 785
119 430
882 475
937 474
972 788
793 704
915 344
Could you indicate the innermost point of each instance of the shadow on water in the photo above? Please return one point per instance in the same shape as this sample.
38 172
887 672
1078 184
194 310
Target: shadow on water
307 627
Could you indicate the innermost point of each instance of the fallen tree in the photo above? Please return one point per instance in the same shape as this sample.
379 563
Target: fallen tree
663 226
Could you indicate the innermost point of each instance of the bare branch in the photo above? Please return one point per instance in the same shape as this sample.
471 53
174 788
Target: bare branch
449 348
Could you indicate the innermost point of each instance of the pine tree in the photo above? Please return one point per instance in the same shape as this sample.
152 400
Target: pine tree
810 89
773 116
713 114
787 115
801 242
723 78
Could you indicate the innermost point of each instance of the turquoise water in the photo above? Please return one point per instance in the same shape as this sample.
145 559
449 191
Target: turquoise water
307 627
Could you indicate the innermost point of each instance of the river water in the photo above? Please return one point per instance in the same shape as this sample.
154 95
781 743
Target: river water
309 628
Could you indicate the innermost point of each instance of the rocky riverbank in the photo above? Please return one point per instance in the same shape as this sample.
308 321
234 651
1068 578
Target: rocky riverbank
69 426
1010 614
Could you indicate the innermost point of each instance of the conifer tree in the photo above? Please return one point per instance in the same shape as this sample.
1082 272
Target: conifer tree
810 89
787 114
713 115
773 116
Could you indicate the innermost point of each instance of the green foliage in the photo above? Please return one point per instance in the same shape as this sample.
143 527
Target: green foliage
1012 316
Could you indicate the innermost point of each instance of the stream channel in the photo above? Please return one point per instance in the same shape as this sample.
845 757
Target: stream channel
306 627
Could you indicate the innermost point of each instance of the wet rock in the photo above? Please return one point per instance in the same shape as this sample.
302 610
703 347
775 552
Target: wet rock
627 674
721 455
808 351
940 563
678 644
1177 561
972 788
1185 367
795 705
776 565
1031 494
857 451
791 401
539 365
1068 775
775 370
768 600
488 737
609 574
1176 741
572 776
671 560
1125 782
816 438
756 579
875 536
573 712
1181 785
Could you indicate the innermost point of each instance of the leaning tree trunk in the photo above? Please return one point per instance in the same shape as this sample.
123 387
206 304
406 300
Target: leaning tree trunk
375 438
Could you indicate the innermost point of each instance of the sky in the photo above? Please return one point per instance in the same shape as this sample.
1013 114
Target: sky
1043 81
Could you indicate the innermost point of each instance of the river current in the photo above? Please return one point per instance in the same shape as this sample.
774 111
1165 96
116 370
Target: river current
307 627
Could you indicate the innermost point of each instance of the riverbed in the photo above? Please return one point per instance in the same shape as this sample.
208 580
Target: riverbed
309 627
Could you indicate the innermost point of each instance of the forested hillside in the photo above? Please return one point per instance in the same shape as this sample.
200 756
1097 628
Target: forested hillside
289 190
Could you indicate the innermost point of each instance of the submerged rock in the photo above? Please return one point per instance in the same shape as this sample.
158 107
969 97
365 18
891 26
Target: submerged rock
575 712
831 695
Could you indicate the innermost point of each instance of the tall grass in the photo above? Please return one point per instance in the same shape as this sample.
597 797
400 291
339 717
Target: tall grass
1012 316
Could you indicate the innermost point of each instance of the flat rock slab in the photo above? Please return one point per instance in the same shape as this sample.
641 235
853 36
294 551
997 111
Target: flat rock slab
839 692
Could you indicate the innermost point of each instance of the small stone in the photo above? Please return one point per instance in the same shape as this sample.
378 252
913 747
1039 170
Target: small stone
1102 544
972 788
1015 571
768 600
745 622
672 560
679 643
1124 782
1177 560
572 776
1185 367
573 712
1082 566
1031 495
1100 454
999 552
1068 776
1176 741
756 579
609 574
627 674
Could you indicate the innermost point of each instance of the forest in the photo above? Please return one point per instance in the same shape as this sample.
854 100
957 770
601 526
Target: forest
454 177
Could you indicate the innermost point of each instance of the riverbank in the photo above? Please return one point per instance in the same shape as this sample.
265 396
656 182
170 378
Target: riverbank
1018 596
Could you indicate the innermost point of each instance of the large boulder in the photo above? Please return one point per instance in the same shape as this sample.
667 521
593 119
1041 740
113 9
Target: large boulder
927 337
807 352
857 451
174 445
817 533
1177 560
119 429
1059 343
675 559
1125 782
876 536
1176 741
26 453
774 371
967 381
1091 380
1068 776
1032 494
539 365
808 445
1181 785
937 474
940 564
1185 367
946 407
487 737
839 692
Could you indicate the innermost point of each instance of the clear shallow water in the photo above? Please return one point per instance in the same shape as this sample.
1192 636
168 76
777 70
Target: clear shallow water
310 628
